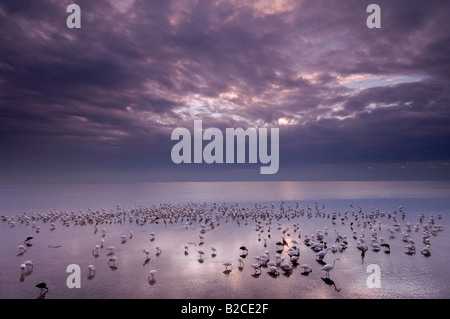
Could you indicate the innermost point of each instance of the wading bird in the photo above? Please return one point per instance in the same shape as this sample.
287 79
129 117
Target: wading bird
257 269
29 264
306 269
151 275
321 254
91 270
329 267
241 262
244 250
112 262
42 286
27 241
22 249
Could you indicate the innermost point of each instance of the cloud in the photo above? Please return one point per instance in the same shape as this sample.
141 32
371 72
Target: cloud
112 91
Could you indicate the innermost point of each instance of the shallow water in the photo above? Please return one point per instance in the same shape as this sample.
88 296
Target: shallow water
181 275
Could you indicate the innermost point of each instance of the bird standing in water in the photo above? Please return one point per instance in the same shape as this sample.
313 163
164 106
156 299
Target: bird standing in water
151 276
27 241
329 267
42 286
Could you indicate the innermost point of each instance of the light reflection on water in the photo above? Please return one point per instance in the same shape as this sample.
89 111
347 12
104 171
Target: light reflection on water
183 276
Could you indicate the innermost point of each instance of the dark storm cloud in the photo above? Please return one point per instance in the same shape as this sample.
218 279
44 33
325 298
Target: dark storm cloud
106 97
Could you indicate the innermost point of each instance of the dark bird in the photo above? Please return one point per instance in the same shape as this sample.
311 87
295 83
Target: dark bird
42 286
387 248
27 241
244 251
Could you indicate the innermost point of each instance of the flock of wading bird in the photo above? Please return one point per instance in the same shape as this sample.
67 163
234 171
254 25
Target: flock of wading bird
365 228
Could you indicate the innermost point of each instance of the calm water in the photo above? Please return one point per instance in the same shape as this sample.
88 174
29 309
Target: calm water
181 275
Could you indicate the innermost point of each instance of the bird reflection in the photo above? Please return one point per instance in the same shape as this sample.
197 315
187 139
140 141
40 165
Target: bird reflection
330 282
306 269
42 286
42 295
151 277
27 241
285 261
320 261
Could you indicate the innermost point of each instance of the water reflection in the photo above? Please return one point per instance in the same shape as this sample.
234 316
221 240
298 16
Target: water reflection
170 245
42 295
330 282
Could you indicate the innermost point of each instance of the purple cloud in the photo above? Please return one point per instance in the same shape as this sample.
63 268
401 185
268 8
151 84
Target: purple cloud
105 98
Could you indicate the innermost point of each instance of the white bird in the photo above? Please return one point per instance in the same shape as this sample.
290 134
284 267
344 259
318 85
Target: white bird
91 270
257 268
95 250
306 268
22 249
411 249
241 262
214 251
151 275
274 271
277 258
329 267
23 268
112 261
294 259
426 251
147 252
28 264
227 265
264 259
321 254
158 250
286 266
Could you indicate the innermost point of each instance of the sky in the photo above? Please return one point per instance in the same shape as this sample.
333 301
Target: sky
99 103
